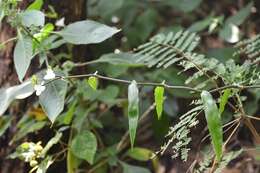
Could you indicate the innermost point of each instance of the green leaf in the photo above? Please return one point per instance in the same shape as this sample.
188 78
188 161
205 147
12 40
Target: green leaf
133 110
87 32
93 82
69 115
36 5
5 122
141 154
84 146
224 100
123 59
214 122
241 15
32 18
7 95
52 98
50 143
158 97
45 164
133 169
23 54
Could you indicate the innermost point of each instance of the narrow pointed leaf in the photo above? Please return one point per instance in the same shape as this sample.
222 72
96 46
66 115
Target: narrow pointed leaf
158 96
133 110
214 122
224 100
36 5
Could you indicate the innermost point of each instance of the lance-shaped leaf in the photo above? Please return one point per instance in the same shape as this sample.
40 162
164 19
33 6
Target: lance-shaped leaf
52 98
158 97
214 122
133 110
23 54
87 32
224 100
32 18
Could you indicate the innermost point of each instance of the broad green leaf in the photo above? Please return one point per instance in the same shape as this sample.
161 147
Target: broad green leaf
241 15
123 59
7 95
214 122
158 97
224 100
36 5
23 54
50 143
141 154
133 169
87 32
93 82
84 146
52 98
133 110
5 122
32 18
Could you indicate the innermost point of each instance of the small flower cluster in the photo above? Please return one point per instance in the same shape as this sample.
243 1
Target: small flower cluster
40 87
30 152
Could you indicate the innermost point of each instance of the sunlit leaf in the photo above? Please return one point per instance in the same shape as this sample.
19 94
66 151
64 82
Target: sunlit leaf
224 100
93 82
214 122
141 154
133 110
36 5
158 97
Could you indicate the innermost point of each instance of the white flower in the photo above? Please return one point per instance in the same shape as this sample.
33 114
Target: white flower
117 51
60 22
28 156
115 19
39 88
49 74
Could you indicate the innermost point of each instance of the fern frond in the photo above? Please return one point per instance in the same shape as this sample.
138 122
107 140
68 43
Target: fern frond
180 133
250 48
164 50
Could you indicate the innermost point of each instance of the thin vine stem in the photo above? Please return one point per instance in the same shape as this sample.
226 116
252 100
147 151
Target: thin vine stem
124 81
